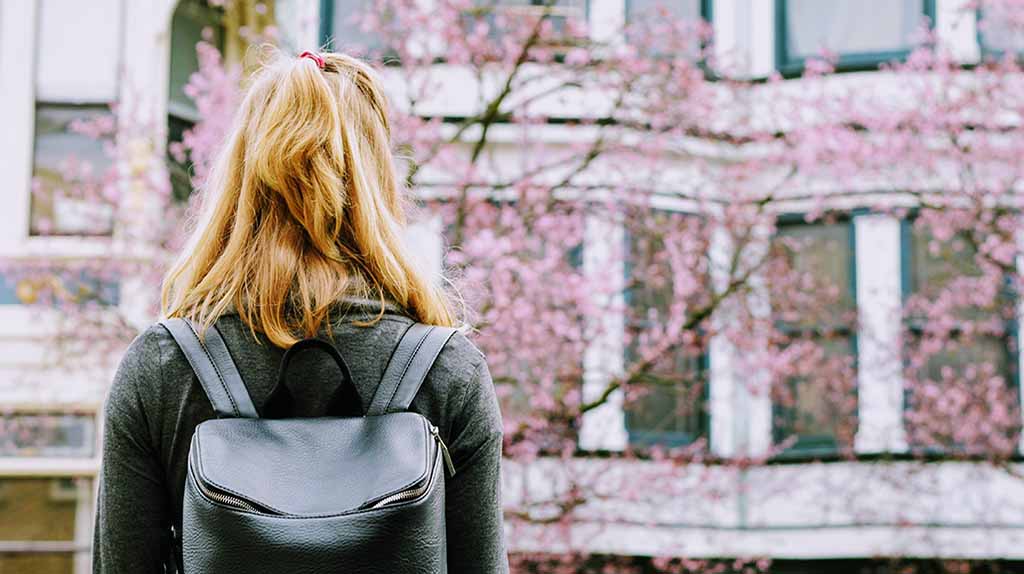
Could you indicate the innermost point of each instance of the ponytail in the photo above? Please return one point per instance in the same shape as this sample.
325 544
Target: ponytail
303 206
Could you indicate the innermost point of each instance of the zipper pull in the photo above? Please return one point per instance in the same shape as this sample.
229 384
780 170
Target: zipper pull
444 450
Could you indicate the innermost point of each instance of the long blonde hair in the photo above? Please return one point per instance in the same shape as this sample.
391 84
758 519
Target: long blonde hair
302 207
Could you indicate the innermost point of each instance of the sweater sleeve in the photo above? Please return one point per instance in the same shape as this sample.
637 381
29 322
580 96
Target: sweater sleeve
132 511
473 510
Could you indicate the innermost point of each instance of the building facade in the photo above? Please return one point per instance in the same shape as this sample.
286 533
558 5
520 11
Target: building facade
63 60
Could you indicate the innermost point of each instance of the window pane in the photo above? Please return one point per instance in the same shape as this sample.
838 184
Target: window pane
681 9
1002 27
191 18
952 368
574 7
346 30
187 24
820 409
850 26
67 172
957 384
935 265
672 410
981 351
38 518
516 13
47 435
644 12
823 251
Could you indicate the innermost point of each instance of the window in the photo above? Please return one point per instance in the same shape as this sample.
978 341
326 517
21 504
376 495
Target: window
76 88
341 22
965 366
340 26
861 33
1001 28
45 521
559 12
812 289
45 524
190 19
667 401
501 16
47 435
67 172
681 10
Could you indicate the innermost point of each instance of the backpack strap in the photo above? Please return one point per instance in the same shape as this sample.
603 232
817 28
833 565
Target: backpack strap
212 364
408 367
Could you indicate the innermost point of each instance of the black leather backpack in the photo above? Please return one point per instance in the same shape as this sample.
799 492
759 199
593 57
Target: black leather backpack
268 494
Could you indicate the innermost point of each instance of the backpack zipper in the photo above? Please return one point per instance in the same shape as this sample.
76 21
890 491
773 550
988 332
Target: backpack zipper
418 490
406 494
226 499
444 450
403 495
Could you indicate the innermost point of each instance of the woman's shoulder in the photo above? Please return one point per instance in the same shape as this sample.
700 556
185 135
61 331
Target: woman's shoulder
459 377
137 385
463 368
460 354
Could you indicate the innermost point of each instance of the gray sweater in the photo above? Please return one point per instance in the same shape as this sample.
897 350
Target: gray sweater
155 403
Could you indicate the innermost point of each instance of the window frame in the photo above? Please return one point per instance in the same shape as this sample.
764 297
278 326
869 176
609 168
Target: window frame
792 66
809 446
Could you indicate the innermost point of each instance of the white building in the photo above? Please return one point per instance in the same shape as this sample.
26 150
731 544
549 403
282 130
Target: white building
62 59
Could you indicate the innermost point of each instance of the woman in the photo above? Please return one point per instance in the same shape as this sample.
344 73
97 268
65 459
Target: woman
300 236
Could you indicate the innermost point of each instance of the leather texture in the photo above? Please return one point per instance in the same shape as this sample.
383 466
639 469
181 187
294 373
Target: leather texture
407 538
330 494
408 367
214 367
314 466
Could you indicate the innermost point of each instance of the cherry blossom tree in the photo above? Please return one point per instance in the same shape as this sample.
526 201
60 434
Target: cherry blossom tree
613 208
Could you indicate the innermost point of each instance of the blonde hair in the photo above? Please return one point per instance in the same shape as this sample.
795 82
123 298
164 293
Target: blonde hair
303 206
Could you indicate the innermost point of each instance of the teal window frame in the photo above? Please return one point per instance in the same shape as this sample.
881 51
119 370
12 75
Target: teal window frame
326 22
808 446
792 66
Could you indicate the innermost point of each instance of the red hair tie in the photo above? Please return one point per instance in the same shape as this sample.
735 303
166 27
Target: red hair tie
315 57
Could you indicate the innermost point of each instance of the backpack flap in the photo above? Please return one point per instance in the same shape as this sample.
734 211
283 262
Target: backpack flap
314 467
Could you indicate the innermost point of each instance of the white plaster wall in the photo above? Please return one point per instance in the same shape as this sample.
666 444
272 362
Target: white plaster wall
808 511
